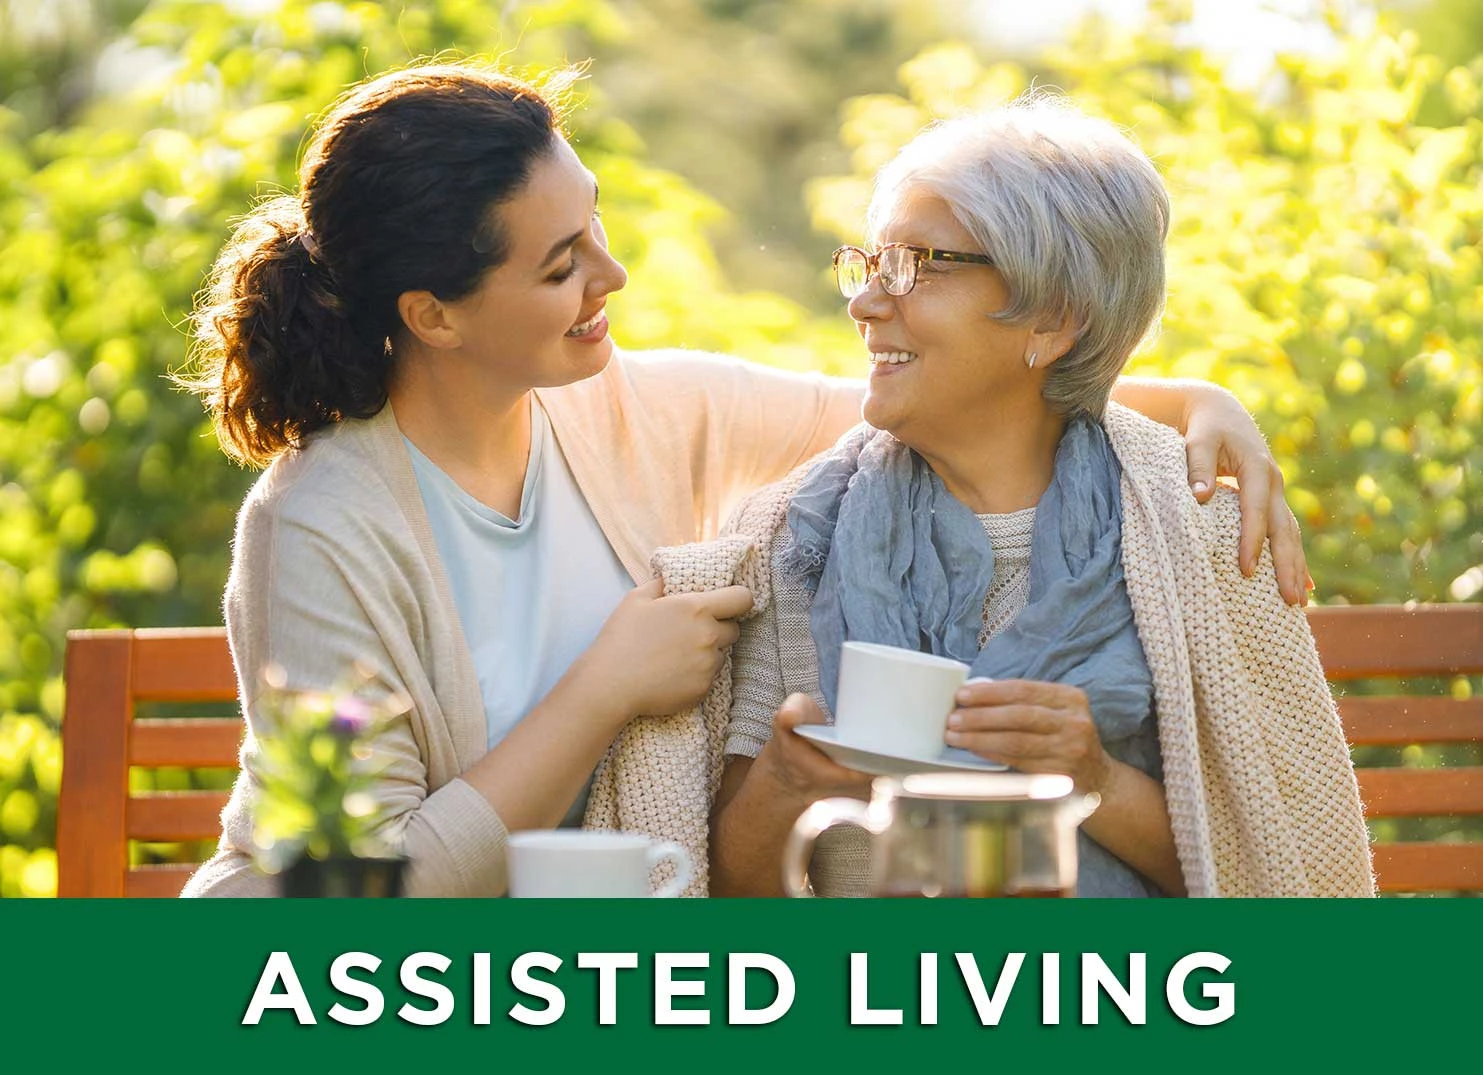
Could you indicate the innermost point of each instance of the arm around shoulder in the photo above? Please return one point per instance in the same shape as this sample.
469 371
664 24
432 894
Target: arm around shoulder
770 419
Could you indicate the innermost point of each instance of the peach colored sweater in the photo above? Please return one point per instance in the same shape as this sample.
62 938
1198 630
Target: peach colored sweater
334 565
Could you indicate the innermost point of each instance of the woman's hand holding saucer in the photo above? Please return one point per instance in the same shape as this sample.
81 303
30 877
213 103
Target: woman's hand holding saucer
798 769
1031 726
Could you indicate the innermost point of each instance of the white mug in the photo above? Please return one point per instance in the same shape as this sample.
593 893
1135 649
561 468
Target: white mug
582 863
895 701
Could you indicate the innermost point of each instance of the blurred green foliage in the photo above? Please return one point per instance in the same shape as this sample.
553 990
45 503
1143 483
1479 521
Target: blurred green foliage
1325 261
1449 29
746 109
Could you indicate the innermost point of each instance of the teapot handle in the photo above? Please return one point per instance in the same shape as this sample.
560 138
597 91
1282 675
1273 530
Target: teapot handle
822 815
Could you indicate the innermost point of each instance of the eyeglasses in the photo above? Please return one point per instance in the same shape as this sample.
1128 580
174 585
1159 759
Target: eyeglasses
897 264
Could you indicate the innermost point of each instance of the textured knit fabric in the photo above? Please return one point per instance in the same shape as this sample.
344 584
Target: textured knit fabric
1260 789
661 773
1009 589
335 565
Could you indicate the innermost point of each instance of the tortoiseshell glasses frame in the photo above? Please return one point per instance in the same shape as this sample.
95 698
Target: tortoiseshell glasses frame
896 263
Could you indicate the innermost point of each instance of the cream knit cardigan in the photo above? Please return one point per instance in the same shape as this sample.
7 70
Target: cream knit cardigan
334 565
1260 788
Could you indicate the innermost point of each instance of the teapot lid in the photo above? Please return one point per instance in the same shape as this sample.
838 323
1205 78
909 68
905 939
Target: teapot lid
982 787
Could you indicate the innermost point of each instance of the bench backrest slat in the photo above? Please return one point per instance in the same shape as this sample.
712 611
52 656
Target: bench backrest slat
187 664
1377 641
1422 792
173 816
1400 720
189 742
158 882
1429 867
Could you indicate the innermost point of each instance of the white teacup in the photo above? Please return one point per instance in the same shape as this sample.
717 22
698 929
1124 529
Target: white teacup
567 863
895 701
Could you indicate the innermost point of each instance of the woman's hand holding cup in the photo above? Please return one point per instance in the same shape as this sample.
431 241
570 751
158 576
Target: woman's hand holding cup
1031 726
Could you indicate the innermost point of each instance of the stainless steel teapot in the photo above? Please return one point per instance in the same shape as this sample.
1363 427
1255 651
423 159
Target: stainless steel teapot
955 834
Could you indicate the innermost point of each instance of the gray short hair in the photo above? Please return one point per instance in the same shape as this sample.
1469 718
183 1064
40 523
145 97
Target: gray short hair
1074 216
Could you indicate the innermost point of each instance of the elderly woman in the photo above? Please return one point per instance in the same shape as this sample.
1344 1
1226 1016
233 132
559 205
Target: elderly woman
996 509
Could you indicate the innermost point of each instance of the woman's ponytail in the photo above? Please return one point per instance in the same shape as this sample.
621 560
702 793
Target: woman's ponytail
276 355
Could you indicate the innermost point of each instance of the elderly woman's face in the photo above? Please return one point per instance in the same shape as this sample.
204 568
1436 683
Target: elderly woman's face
940 367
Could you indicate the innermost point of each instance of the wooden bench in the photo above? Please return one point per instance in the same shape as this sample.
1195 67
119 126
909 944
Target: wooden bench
1383 644
108 672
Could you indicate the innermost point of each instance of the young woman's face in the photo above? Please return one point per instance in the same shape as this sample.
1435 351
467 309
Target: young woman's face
537 320
940 366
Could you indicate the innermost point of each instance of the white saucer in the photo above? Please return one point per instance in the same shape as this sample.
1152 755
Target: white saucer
868 761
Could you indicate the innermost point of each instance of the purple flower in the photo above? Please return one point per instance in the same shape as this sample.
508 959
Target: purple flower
352 717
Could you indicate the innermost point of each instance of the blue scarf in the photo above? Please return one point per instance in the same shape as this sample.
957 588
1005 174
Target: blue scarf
892 557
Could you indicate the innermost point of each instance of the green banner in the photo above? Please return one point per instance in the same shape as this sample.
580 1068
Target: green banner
712 986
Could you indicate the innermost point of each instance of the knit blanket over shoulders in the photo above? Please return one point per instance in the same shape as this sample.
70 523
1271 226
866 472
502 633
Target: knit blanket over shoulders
1261 792
661 773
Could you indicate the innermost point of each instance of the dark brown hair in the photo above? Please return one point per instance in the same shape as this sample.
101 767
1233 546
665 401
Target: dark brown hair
294 329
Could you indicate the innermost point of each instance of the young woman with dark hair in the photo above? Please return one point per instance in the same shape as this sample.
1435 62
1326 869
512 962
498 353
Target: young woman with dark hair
465 483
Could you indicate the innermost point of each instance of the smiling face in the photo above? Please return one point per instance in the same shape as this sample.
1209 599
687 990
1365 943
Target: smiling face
940 366
537 320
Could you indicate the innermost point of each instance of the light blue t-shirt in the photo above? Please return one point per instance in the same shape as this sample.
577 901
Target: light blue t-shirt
532 595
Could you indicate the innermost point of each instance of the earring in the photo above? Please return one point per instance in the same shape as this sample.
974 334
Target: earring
1031 360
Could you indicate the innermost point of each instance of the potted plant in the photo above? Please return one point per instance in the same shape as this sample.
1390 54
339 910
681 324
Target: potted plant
317 820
